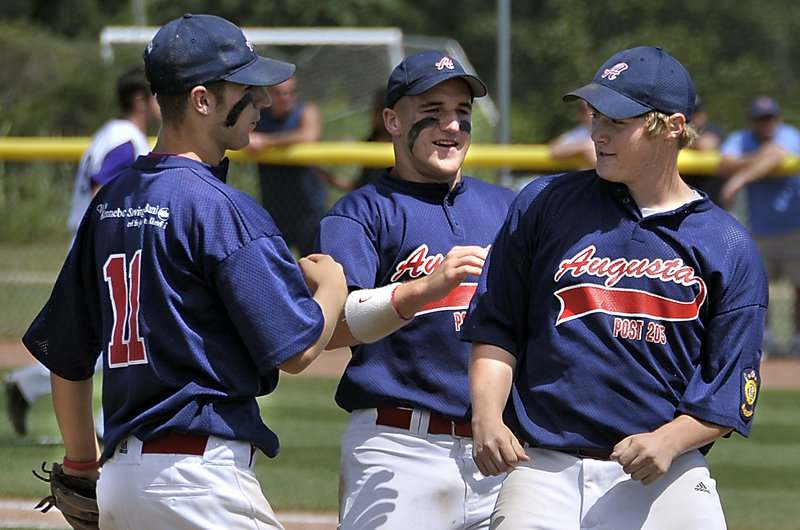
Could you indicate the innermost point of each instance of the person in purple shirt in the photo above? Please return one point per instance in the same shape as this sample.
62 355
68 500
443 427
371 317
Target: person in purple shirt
113 148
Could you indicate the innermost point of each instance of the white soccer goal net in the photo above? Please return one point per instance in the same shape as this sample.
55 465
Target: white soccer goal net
339 69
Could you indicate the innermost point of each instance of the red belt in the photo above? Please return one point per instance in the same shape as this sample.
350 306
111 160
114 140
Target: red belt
401 419
177 443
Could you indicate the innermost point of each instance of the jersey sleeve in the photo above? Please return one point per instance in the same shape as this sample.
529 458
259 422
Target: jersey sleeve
64 336
497 312
269 302
725 388
348 242
114 162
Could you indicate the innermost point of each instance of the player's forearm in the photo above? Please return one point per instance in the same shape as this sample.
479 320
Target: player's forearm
412 296
686 433
72 403
491 372
342 336
330 301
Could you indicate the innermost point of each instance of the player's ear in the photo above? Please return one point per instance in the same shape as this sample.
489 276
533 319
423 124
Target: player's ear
392 122
140 102
200 98
676 124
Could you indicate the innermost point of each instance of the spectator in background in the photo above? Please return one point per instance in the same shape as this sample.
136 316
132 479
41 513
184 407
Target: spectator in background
294 195
113 148
749 160
577 142
378 134
710 136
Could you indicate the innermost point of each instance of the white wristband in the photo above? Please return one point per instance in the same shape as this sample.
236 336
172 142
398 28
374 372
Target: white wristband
371 313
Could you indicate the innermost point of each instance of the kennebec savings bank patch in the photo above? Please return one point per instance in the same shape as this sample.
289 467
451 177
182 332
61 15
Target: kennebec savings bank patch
750 385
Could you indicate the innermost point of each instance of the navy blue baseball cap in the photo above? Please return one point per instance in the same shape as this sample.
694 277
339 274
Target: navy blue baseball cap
422 71
636 81
198 49
764 106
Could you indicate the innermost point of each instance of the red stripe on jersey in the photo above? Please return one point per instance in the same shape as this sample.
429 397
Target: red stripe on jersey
583 299
458 299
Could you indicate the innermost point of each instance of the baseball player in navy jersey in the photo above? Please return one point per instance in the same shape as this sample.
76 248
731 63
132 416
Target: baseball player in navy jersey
617 324
112 148
412 245
188 291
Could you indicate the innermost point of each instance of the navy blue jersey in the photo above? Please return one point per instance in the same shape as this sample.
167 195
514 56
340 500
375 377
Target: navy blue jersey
394 231
620 323
187 289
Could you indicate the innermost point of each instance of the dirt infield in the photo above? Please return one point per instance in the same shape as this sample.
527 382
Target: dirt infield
776 372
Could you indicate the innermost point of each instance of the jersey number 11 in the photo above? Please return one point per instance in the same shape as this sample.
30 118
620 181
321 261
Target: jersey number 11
123 287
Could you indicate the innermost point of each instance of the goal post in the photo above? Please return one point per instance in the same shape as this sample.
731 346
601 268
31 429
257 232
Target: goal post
342 70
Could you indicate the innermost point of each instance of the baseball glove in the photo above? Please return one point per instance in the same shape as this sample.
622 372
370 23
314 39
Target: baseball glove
76 497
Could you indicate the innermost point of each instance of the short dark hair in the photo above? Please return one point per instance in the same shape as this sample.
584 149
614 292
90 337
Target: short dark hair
129 85
173 106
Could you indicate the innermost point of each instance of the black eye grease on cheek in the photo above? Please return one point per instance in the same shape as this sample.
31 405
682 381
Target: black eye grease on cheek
236 110
417 128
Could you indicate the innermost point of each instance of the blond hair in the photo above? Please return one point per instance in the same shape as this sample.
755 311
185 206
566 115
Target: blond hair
658 122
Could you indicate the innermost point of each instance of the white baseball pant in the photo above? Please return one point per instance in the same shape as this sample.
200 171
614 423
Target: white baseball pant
393 478
215 489
559 491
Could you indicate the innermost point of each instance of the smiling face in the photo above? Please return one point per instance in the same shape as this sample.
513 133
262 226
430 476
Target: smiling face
431 132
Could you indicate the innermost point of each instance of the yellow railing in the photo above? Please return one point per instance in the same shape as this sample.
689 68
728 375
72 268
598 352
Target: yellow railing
535 157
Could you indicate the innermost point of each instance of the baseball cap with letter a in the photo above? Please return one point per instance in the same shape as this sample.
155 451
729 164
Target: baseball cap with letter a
197 49
636 81
422 71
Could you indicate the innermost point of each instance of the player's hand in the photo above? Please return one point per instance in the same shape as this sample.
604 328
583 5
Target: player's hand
645 457
322 270
495 449
460 262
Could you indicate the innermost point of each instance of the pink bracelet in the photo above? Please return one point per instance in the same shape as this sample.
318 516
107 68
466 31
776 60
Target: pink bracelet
80 466
394 304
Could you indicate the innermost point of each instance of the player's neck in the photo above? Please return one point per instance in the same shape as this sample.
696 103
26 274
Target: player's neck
180 145
667 193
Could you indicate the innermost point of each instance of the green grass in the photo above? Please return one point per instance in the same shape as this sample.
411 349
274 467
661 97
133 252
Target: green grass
757 477
301 411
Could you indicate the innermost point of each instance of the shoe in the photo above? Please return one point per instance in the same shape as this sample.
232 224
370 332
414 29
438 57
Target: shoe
17 407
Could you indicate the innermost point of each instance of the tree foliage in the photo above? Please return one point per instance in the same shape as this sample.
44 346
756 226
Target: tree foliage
734 50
